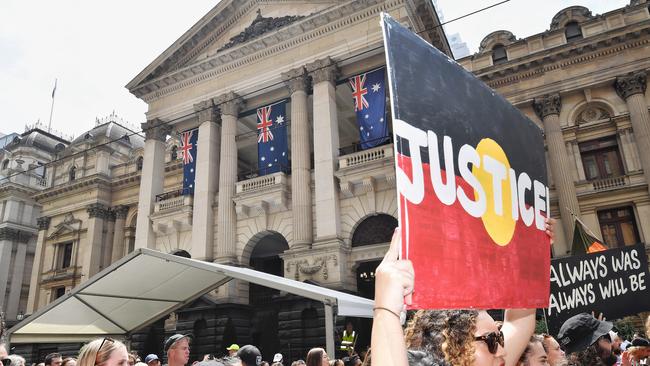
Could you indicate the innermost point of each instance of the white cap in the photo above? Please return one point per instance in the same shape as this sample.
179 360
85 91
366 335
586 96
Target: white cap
277 357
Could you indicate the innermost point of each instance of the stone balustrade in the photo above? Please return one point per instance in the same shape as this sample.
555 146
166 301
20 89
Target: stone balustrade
257 183
173 203
366 156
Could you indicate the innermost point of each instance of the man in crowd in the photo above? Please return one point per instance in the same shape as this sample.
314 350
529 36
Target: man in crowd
587 339
232 350
250 355
53 359
178 350
152 360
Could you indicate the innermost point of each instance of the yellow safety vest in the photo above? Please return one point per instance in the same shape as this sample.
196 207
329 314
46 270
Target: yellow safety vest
347 340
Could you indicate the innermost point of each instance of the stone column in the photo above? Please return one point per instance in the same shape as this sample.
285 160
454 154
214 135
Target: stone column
229 104
326 144
301 206
118 237
16 289
151 180
632 89
548 110
7 238
37 267
206 181
91 253
107 247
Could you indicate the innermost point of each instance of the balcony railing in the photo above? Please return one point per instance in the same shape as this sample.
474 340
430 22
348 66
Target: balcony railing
609 183
174 199
366 156
264 181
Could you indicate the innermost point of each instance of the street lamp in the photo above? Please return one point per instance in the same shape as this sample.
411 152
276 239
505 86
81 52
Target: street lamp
20 316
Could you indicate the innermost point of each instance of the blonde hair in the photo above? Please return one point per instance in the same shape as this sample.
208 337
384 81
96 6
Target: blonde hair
98 351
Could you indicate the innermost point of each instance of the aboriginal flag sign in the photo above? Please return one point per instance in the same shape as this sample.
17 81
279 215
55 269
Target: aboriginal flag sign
471 182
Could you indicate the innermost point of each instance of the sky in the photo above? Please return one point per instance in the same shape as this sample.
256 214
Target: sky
94 48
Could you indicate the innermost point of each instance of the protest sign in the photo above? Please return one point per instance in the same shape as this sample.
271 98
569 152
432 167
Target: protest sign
471 182
614 282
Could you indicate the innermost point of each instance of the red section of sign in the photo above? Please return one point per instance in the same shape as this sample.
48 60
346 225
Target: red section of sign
454 272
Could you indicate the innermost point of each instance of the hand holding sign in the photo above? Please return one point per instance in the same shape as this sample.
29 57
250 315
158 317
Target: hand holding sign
394 279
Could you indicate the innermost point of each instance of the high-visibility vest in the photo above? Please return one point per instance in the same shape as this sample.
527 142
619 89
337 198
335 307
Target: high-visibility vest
347 340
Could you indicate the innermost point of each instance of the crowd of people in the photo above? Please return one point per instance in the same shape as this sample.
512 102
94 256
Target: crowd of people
469 337
473 338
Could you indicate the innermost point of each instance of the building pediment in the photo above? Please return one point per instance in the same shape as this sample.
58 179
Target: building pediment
234 33
69 225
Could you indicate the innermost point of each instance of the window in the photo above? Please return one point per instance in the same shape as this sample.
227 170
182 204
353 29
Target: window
174 153
618 227
64 255
72 174
138 163
573 31
58 292
601 159
499 54
39 169
5 164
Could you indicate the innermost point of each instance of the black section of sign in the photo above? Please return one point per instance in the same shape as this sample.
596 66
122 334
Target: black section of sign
432 92
614 282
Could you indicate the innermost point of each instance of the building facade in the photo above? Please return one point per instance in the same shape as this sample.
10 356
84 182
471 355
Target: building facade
328 216
584 83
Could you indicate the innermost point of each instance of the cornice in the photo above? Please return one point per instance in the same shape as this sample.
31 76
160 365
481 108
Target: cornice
532 66
94 181
265 46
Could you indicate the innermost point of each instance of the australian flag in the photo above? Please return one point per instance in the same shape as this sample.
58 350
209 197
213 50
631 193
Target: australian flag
272 148
369 95
189 153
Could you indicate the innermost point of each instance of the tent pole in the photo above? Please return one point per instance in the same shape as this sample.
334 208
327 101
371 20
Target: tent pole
329 330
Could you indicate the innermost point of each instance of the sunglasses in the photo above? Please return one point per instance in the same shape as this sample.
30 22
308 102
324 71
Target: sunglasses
106 339
493 340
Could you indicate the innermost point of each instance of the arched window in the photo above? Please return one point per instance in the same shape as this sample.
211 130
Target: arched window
138 163
174 153
72 174
572 31
5 164
376 229
499 54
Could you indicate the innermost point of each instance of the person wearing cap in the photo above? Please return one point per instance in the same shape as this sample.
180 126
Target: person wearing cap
177 348
278 358
587 340
232 350
152 360
250 355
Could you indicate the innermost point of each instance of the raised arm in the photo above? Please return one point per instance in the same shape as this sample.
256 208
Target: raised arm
518 326
393 287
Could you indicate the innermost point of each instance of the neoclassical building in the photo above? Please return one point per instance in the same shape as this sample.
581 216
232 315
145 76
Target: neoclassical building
584 83
327 217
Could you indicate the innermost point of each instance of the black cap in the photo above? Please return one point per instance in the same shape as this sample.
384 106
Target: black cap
581 331
173 339
640 342
250 355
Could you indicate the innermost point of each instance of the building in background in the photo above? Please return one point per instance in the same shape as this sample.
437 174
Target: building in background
458 46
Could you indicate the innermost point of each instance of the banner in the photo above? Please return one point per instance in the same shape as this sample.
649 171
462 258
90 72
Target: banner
612 282
369 95
272 145
471 182
189 151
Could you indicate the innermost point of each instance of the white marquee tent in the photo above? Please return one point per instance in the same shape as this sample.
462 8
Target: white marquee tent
146 286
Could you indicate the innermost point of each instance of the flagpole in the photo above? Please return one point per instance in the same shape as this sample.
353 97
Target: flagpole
49 125
583 224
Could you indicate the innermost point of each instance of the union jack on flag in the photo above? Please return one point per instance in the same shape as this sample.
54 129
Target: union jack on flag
264 124
359 90
187 146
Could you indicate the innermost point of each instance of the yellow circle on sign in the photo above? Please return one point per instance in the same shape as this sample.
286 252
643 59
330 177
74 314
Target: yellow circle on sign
501 228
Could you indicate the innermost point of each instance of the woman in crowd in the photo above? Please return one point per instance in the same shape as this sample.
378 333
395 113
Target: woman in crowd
534 354
16 360
337 362
555 354
103 352
69 361
317 357
460 337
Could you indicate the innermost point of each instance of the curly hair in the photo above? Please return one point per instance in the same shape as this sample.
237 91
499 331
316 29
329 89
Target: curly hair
588 357
445 334
647 327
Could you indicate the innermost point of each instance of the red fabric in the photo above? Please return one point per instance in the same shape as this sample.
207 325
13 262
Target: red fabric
596 247
458 266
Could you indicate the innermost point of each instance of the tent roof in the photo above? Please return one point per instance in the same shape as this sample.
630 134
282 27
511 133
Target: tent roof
146 286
